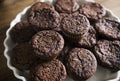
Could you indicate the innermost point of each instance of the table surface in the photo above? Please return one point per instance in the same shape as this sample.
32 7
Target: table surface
8 11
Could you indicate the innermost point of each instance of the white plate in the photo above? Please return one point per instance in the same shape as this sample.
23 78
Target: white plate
100 75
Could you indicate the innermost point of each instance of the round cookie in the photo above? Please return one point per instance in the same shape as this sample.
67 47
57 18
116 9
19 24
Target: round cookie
22 56
43 16
81 64
47 44
66 6
108 53
108 28
22 32
93 11
89 39
50 71
75 26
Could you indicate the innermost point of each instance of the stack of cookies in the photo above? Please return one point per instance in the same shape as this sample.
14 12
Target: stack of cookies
65 38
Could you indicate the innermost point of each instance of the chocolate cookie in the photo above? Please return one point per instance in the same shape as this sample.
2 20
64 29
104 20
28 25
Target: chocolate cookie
108 53
81 64
93 11
108 28
22 32
75 26
89 39
66 6
50 71
43 16
22 56
47 44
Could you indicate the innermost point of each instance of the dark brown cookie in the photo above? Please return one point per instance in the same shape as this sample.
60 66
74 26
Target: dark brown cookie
66 6
81 64
108 28
22 32
89 39
92 10
43 16
47 44
50 71
22 56
75 26
108 53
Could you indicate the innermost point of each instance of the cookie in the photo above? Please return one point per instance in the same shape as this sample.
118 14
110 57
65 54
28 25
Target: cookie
109 29
47 44
81 64
108 54
75 26
93 11
43 16
66 6
22 56
50 71
22 32
89 39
